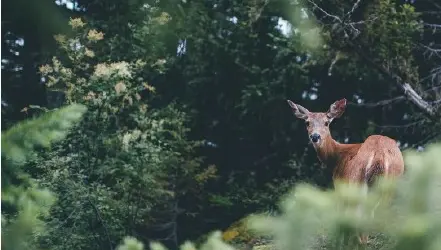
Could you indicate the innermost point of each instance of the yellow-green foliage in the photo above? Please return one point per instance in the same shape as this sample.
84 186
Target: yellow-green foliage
238 232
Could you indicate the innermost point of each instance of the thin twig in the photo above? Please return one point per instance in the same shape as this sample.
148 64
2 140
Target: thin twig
353 9
400 126
102 222
379 103
426 140
326 13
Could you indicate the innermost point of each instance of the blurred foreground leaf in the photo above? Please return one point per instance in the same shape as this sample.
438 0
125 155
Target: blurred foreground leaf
23 203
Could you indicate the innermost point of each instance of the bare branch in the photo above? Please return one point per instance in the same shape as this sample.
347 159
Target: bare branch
433 25
409 92
438 6
379 103
435 74
363 21
353 9
391 100
430 51
431 12
342 21
431 137
436 102
332 64
325 12
417 99
401 126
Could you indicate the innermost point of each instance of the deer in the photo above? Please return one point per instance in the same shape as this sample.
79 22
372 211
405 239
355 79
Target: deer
360 163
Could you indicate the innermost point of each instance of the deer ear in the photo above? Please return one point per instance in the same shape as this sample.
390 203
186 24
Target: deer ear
299 111
336 109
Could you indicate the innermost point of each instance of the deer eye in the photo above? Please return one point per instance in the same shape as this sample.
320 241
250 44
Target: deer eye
326 123
307 123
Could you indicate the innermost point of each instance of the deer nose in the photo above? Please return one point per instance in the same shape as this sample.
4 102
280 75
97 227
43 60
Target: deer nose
314 137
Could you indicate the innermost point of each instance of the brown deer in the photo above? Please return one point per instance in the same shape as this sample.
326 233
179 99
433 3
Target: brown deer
359 163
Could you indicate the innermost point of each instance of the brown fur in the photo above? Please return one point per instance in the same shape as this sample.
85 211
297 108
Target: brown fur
361 163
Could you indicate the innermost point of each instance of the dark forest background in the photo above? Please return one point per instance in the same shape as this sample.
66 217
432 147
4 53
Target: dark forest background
187 128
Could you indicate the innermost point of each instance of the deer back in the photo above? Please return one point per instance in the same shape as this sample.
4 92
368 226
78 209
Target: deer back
376 156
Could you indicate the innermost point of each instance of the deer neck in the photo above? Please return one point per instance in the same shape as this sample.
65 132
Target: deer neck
328 152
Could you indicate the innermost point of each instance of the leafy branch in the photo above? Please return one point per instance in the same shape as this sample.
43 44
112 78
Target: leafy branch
19 141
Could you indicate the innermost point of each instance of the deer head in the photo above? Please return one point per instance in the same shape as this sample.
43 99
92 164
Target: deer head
317 123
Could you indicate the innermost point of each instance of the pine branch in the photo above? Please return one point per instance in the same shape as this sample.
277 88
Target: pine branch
19 141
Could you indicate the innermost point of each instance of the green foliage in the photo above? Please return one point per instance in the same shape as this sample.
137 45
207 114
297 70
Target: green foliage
213 242
394 35
412 221
135 165
127 162
130 243
24 202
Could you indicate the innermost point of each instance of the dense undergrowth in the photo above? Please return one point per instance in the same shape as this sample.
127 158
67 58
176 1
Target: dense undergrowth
310 218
